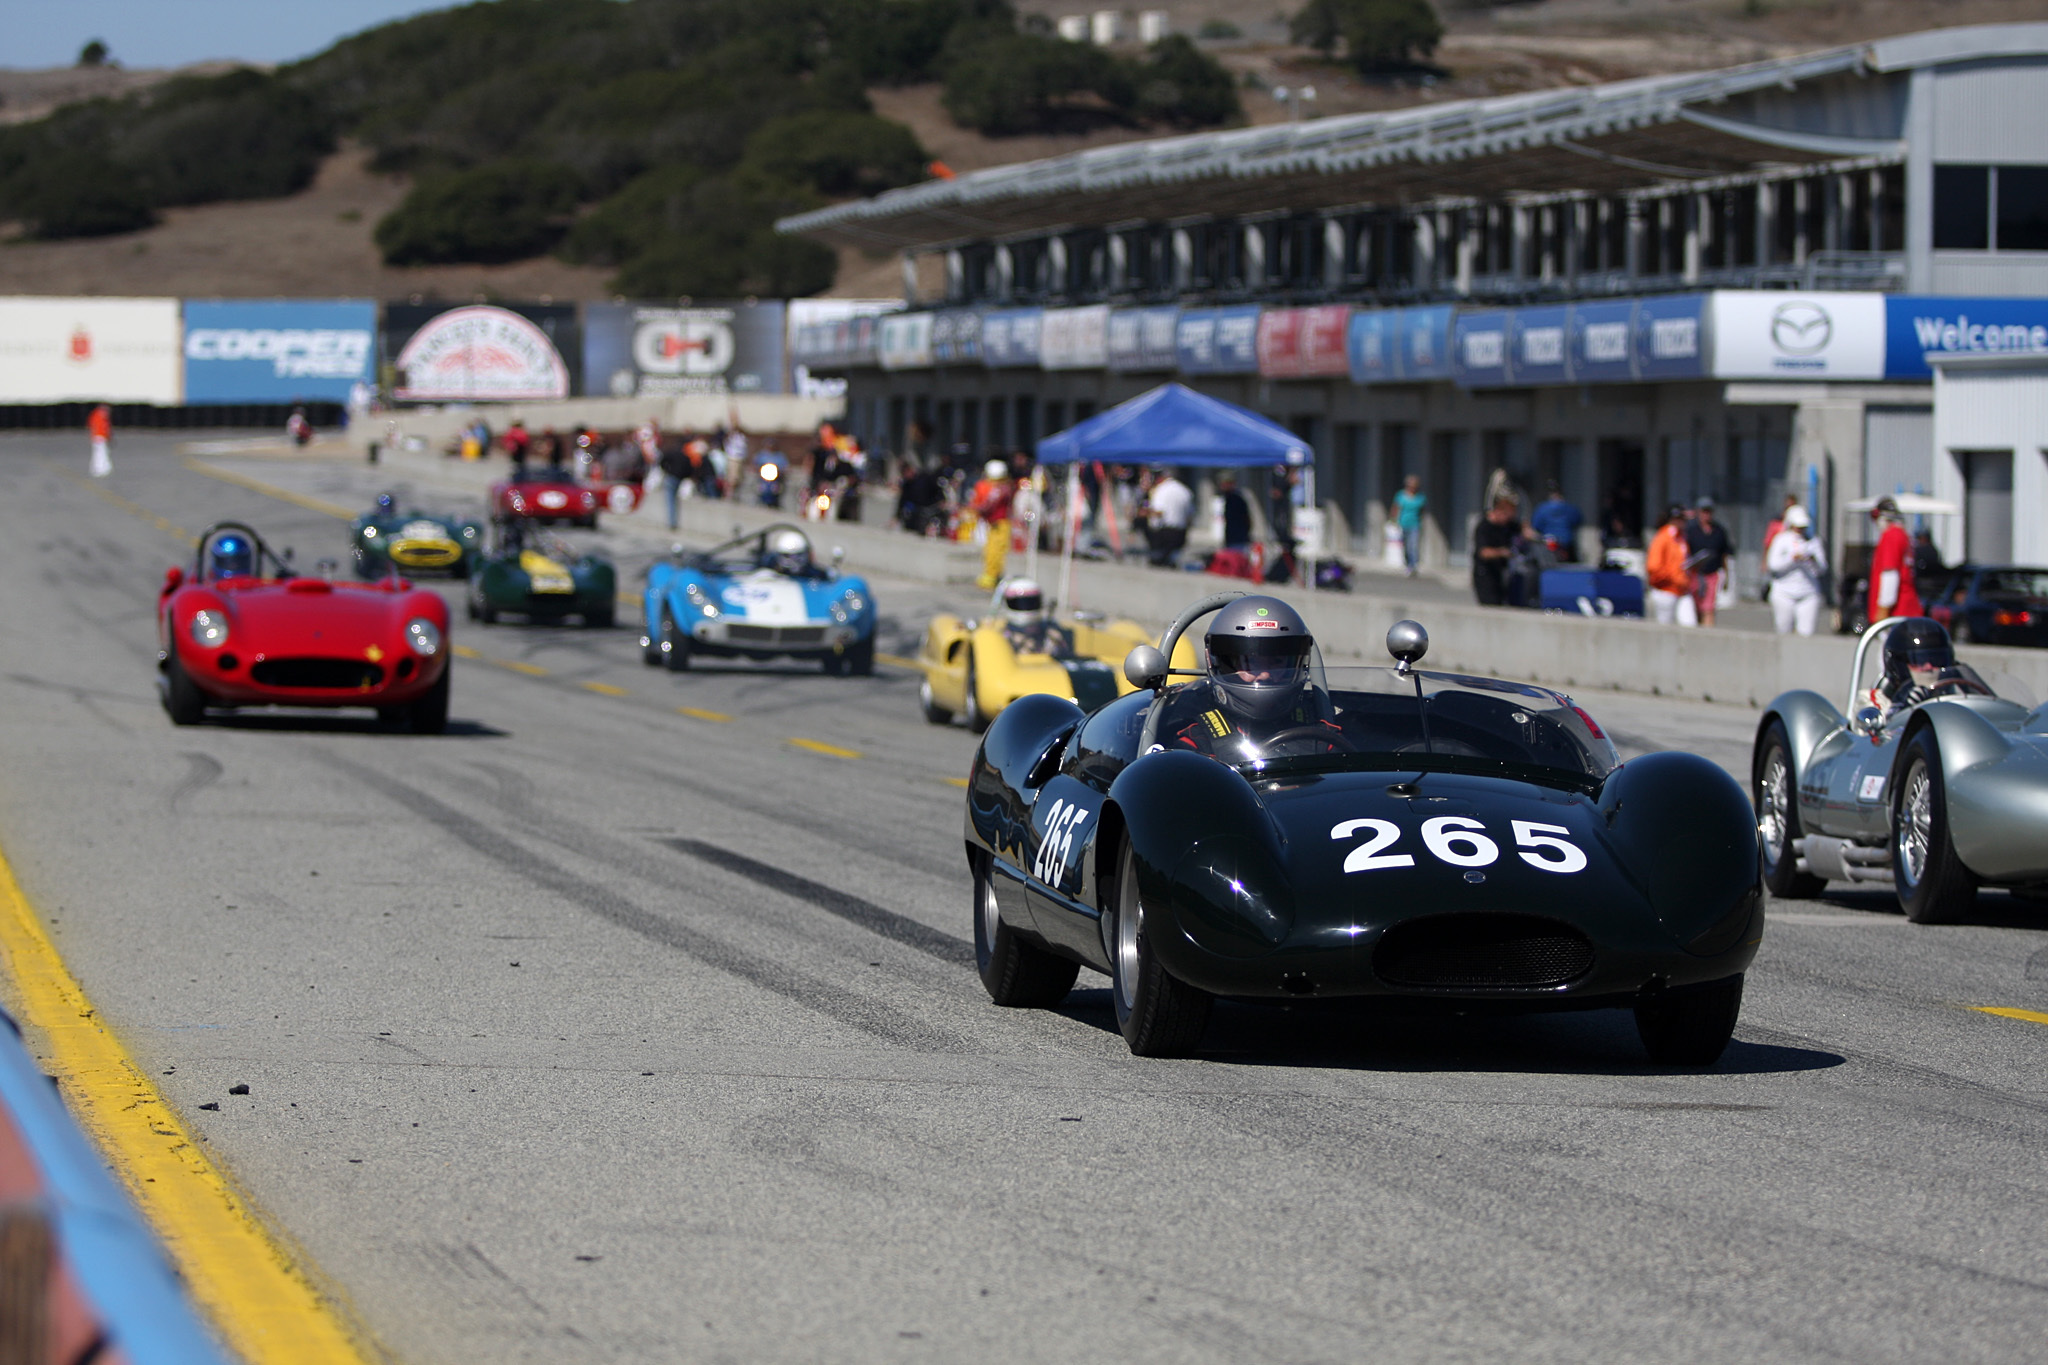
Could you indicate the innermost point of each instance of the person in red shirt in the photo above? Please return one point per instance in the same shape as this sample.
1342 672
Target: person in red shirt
100 426
1891 566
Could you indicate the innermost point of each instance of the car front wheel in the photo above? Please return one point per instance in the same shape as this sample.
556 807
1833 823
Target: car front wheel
1159 1015
1775 795
1691 1025
429 714
183 701
1014 972
977 719
674 645
933 712
1933 885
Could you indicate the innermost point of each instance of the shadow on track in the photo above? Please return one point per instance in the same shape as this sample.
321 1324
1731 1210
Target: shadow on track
1377 1036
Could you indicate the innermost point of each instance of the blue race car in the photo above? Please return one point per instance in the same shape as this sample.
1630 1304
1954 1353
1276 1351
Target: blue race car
758 596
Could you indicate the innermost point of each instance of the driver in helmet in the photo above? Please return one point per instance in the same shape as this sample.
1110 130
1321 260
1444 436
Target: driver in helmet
230 555
1259 686
1025 626
787 552
1919 665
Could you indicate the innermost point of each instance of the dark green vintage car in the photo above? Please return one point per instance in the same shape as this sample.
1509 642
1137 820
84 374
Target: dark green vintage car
413 542
527 572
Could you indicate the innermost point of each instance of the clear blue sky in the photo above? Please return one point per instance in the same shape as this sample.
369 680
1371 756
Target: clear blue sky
144 33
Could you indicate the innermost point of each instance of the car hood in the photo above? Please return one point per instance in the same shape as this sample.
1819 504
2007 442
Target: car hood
333 611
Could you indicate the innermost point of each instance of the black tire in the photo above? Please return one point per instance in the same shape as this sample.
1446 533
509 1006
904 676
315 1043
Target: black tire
650 651
480 608
933 713
977 719
833 662
461 570
1690 1026
1016 974
600 619
1774 794
860 659
1159 1015
184 703
469 600
429 714
1933 885
674 644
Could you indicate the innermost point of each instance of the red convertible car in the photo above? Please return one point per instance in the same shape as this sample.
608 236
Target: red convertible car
244 630
546 494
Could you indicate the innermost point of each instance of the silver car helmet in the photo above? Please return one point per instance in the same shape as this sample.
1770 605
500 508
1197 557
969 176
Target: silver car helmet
1259 651
1022 602
788 551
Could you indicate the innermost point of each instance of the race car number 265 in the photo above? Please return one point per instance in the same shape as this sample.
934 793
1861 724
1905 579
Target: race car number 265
1460 841
1061 824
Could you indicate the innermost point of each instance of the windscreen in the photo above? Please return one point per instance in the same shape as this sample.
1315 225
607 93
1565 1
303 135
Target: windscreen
1368 718
2016 583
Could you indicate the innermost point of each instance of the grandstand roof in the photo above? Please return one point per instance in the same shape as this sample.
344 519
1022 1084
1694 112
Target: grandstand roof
1836 105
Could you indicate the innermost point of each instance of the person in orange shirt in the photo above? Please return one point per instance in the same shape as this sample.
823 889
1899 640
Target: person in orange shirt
100 426
1670 584
993 499
1891 566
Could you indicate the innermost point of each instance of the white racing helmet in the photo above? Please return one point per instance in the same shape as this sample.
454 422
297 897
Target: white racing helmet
1259 650
995 469
1023 601
787 550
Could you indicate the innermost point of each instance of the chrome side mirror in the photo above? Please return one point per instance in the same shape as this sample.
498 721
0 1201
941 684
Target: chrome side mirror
1407 641
1869 720
1145 667
838 555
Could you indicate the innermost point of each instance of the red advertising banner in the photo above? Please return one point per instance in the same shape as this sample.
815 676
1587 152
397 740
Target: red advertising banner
1304 343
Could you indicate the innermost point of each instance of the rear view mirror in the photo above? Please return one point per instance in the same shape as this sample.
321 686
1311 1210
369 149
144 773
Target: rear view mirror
1145 667
174 577
838 555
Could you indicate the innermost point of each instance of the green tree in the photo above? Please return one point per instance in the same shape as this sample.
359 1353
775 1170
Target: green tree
1182 85
1006 83
93 53
1378 35
503 211
837 154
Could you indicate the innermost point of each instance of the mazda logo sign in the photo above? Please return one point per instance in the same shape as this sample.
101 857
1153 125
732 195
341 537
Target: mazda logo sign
1801 328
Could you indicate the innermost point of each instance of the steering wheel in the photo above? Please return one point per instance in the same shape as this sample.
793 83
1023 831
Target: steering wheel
1321 733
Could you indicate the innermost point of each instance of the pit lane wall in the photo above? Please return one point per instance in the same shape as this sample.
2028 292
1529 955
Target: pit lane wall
1574 653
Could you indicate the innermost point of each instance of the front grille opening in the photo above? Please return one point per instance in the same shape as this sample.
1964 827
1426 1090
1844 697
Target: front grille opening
354 675
1492 951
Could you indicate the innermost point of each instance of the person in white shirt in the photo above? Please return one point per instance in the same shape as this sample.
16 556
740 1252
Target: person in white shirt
1168 507
1796 562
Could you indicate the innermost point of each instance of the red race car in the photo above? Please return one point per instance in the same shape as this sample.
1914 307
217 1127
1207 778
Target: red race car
545 494
244 630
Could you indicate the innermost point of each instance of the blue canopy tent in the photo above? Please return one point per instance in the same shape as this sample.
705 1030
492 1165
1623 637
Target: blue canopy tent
1169 425
1174 425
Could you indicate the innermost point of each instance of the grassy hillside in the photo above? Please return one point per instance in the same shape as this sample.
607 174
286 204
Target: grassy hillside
590 147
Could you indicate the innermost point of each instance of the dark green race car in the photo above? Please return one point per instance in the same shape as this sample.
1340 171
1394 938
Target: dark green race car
413 542
529 573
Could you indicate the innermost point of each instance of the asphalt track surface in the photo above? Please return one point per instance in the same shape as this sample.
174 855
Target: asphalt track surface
597 1031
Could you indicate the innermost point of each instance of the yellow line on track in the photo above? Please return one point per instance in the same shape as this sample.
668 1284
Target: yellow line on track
898 661
270 490
606 689
530 670
169 528
241 1276
818 746
956 781
699 713
465 652
2007 1012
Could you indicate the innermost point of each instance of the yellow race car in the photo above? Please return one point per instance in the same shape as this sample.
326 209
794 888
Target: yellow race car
976 668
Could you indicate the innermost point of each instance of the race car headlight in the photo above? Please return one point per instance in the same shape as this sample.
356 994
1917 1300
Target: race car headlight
589 501
423 636
854 601
369 533
469 533
209 629
701 601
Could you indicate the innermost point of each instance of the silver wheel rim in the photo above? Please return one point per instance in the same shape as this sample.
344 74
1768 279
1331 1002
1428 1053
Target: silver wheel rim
991 914
1774 795
1916 824
924 693
1130 911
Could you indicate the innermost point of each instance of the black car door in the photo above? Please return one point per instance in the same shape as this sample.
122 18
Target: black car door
1066 819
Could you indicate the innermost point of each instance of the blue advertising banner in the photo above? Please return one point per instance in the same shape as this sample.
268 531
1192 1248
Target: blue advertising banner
1918 326
278 351
1600 342
1009 337
956 337
1143 339
1219 340
1539 351
1480 349
1372 346
1670 337
1426 343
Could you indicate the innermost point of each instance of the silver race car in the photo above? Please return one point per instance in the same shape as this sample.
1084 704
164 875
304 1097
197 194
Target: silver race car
1933 782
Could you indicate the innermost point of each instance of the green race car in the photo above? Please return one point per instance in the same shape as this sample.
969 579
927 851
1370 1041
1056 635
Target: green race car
527 572
412 542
